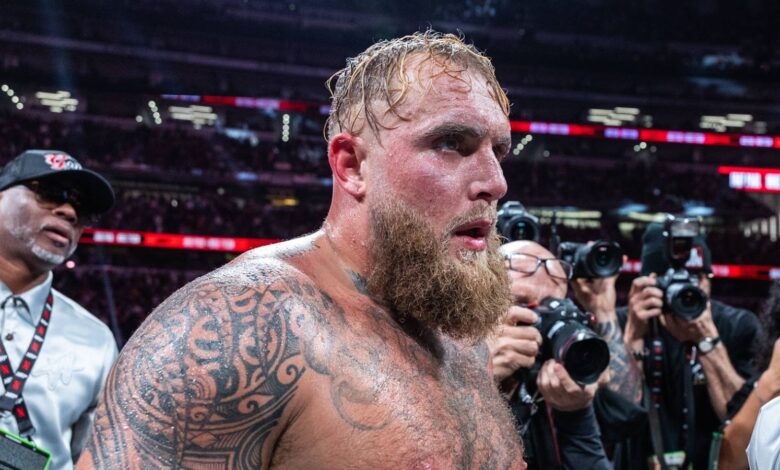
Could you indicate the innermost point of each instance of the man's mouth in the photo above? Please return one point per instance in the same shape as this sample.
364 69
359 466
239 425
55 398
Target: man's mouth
474 234
58 236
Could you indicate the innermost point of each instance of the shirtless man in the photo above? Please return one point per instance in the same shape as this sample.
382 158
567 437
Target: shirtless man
358 346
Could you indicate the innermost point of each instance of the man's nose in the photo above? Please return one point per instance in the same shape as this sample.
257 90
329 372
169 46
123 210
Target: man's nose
489 183
67 212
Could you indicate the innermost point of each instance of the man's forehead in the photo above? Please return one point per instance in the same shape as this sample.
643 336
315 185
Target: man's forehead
457 109
431 79
526 247
537 250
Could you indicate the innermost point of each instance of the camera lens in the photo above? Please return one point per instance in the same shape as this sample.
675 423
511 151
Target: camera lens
686 300
522 229
583 354
603 259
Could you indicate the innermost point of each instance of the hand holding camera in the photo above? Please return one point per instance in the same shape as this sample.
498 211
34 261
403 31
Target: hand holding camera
560 391
569 339
515 344
676 292
692 331
565 364
645 301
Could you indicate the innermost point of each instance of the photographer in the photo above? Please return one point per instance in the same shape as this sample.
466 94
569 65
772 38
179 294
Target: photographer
694 353
536 274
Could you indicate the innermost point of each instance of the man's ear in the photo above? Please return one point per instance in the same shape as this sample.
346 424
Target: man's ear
346 159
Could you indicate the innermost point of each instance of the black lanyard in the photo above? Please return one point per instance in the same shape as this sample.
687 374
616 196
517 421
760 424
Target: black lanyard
655 383
14 381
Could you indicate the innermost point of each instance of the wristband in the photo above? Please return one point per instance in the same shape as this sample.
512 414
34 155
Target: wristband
639 356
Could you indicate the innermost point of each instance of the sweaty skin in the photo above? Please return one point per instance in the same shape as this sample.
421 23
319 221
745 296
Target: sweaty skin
280 359
255 366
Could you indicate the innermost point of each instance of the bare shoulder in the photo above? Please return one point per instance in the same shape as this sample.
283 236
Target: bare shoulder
212 375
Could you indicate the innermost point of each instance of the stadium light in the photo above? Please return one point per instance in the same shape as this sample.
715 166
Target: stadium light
723 123
197 115
618 116
57 102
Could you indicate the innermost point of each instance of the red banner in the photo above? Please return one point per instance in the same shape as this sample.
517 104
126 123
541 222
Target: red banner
668 136
754 272
172 241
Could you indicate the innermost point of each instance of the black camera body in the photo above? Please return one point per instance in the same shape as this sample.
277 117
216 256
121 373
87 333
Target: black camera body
513 222
682 295
592 260
569 339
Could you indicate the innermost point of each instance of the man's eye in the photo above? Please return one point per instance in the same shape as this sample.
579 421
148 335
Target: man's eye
450 142
501 152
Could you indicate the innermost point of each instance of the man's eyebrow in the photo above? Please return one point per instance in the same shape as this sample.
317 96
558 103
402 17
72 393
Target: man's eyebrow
453 128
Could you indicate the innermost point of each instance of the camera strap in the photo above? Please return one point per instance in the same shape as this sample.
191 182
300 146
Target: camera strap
525 406
653 405
689 411
652 395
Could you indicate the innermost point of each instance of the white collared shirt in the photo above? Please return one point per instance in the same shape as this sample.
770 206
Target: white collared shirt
764 448
68 376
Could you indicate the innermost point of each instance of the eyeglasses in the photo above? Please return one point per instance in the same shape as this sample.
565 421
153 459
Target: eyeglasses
529 264
57 193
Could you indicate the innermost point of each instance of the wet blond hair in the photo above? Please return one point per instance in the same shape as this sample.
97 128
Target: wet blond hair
379 75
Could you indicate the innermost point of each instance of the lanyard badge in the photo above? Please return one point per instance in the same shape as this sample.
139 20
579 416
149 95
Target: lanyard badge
14 381
19 453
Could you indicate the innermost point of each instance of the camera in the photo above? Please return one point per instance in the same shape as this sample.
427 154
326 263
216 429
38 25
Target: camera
569 339
513 222
591 260
682 294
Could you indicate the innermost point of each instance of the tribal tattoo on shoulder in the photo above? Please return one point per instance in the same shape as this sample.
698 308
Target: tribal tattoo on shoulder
207 377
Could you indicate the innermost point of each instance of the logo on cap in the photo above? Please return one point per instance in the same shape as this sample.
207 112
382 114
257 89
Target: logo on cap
696 260
61 161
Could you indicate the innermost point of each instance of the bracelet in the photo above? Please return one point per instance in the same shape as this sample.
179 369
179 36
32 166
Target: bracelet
639 356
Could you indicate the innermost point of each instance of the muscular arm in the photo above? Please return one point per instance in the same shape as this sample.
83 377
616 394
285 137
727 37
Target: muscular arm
723 381
206 381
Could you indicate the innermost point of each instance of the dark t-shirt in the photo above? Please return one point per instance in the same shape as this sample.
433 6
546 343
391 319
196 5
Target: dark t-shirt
737 329
577 435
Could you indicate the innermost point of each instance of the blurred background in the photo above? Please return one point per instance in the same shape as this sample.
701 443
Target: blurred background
207 117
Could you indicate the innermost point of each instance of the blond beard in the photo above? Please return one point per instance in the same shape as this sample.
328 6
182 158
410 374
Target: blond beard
413 274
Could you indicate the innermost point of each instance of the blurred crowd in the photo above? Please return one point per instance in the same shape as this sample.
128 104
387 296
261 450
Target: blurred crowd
175 180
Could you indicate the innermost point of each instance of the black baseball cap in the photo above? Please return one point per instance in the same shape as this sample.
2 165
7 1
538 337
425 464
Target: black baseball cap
654 252
56 165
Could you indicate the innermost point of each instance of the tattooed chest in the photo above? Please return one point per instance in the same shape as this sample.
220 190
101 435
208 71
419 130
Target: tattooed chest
392 399
402 422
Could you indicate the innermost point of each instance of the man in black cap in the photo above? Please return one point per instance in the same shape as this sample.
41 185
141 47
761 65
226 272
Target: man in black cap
54 355
692 367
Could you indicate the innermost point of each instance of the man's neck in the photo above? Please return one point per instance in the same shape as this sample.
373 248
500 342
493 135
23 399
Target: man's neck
350 250
20 277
